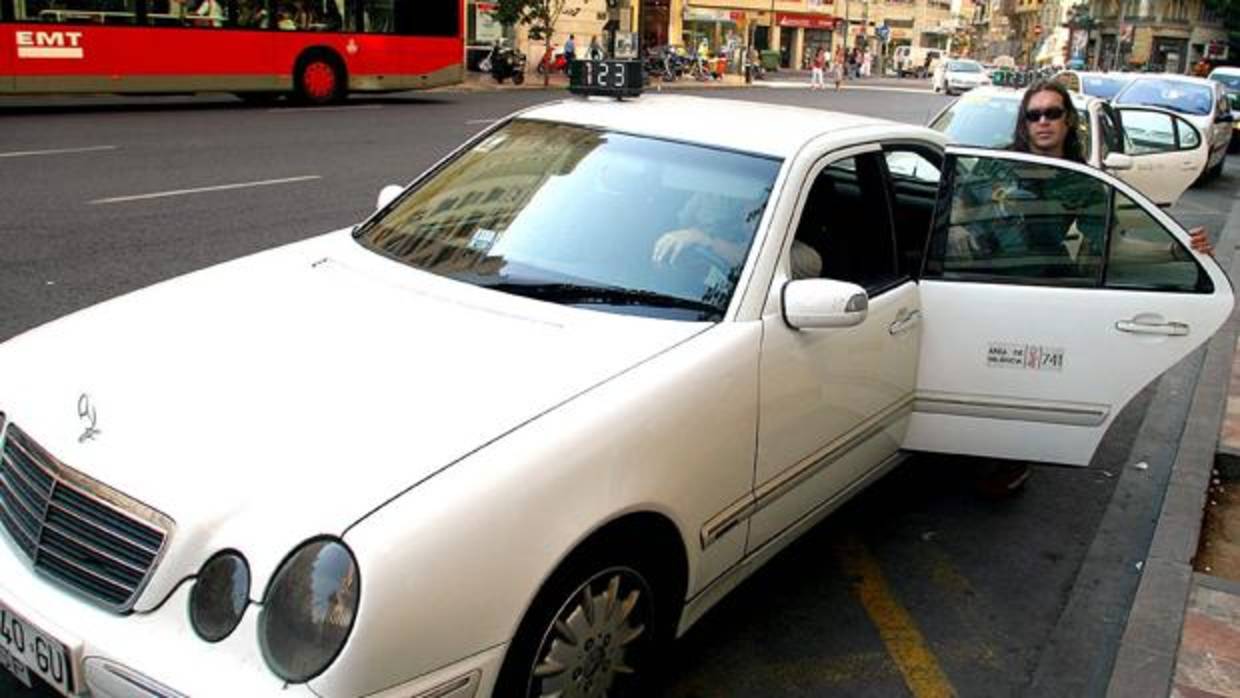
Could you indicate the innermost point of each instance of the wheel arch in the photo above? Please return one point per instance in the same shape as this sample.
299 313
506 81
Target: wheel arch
655 535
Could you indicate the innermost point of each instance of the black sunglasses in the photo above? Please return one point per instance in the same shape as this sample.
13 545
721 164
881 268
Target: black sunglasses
1035 115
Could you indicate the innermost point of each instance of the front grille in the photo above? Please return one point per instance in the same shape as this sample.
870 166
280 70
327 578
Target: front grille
74 529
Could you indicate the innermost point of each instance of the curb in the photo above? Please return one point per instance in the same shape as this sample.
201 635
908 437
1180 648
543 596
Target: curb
1146 658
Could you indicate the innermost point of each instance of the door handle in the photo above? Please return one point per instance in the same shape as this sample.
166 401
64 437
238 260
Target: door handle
905 321
1165 329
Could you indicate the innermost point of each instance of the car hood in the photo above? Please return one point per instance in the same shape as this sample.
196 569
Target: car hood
287 394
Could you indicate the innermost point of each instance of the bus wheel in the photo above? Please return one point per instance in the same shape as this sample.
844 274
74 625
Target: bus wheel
320 79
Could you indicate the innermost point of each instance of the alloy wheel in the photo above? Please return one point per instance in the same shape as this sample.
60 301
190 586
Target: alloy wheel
594 644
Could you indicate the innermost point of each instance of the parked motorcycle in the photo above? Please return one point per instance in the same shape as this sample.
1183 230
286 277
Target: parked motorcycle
504 62
556 63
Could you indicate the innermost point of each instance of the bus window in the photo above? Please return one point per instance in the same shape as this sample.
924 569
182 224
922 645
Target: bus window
77 11
189 13
427 17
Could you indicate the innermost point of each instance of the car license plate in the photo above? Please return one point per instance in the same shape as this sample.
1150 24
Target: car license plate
26 648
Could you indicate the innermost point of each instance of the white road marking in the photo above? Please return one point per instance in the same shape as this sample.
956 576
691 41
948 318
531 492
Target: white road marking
58 151
786 84
354 107
199 190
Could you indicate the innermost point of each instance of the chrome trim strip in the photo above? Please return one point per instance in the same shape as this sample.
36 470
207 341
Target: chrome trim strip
726 520
25 476
85 522
20 498
1044 411
781 484
141 682
94 549
743 567
451 688
9 516
99 578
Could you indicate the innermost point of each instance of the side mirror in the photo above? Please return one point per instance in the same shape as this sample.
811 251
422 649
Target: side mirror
387 195
821 303
1225 117
1117 162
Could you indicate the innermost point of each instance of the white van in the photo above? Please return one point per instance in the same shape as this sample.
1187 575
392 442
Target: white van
916 60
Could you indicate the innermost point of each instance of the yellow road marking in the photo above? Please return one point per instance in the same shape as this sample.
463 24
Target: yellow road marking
899 633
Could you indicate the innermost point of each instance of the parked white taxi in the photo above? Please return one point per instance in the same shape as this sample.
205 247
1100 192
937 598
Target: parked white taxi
1155 150
549 404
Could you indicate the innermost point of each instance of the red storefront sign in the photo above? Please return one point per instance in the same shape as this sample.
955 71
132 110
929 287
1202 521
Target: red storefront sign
803 21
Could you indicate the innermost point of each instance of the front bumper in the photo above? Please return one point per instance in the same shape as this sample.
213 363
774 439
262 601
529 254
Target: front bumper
140 654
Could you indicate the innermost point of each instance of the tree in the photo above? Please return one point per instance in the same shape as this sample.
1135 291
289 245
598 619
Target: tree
540 16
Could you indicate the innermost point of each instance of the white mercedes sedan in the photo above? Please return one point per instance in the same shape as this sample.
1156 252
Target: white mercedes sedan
545 407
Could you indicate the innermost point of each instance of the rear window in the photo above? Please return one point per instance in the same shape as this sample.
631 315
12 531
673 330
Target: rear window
1184 97
964 67
1104 87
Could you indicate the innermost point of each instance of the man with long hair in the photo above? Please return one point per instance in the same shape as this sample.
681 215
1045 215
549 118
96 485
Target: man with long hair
1048 124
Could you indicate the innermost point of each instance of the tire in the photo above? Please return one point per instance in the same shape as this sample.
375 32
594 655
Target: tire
518 78
610 606
320 78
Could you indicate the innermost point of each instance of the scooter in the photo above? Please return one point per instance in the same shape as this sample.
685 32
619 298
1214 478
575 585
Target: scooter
504 62
557 63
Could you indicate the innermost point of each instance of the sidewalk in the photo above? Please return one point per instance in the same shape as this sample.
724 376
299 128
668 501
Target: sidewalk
1182 636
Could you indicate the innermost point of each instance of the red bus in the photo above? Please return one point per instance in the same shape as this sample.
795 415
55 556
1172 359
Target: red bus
315 50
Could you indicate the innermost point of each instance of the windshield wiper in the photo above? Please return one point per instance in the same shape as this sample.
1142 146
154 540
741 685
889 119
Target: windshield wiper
604 295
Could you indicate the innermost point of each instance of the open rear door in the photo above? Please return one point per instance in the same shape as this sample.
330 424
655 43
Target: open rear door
1052 293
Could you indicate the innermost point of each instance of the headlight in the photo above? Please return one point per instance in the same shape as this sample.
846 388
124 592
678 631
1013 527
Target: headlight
309 610
220 596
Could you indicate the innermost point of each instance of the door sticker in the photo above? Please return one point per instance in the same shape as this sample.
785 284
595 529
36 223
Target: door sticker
1027 356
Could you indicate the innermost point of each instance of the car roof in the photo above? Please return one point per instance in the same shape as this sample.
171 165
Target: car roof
1226 70
1014 93
767 129
1174 77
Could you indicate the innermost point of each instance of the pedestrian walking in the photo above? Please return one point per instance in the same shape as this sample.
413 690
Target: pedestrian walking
570 49
837 68
867 59
817 77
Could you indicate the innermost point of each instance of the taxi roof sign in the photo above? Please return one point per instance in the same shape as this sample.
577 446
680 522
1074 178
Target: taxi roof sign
607 78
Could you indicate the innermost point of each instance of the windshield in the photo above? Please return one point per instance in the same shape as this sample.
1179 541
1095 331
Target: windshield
1232 82
987 121
981 121
584 217
964 67
1104 87
1184 97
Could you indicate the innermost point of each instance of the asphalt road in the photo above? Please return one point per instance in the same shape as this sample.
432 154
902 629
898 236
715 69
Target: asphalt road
983 584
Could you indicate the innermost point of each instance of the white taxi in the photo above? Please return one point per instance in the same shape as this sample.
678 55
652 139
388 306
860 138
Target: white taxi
551 402
1155 150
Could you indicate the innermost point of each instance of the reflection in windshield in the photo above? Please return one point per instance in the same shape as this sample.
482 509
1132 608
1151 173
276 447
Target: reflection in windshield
964 67
1184 97
585 217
